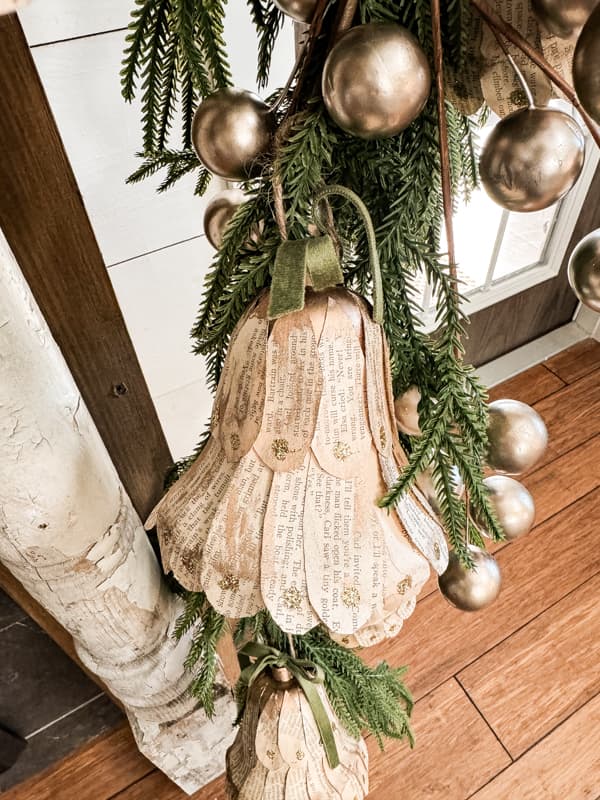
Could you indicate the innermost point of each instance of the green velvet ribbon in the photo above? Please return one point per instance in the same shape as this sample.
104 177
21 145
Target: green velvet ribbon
307 674
295 260
316 258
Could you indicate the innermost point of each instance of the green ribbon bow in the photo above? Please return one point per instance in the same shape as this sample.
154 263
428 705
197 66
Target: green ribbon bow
307 674
316 258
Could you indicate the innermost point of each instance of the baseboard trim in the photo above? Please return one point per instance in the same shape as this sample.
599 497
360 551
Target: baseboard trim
585 325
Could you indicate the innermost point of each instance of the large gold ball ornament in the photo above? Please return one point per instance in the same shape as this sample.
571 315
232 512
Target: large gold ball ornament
563 18
471 589
513 505
219 212
300 10
376 80
517 437
426 484
406 408
586 66
231 130
532 158
584 270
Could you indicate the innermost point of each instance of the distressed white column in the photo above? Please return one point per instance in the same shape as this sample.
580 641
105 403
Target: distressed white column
68 532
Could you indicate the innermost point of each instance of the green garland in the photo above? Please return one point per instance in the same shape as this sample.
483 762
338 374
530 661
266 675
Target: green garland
175 56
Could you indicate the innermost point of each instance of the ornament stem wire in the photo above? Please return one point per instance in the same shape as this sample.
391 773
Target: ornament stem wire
497 23
438 58
517 70
290 639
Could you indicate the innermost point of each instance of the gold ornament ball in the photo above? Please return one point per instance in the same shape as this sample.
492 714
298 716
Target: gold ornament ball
219 212
471 589
425 483
563 18
532 158
406 408
586 66
300 10
517 437
376 80
584 271
231 130
513 505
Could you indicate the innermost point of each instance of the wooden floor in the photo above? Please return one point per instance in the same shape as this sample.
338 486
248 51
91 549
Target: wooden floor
508 699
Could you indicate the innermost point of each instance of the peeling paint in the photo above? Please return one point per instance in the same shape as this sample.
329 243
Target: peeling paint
69 533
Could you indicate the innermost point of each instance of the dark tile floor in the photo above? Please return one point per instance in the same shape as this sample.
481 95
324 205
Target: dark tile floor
44 696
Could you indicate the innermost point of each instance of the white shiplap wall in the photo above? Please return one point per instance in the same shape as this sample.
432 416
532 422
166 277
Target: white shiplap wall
152 244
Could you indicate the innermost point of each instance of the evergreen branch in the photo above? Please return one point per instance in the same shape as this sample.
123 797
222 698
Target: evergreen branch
202 657
268 21
211 14
143 18
152 76
364 698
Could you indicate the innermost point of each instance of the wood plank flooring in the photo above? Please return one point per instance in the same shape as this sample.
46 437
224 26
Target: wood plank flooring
508 700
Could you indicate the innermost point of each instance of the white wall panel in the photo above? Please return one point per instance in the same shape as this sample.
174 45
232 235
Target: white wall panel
52 20
183 414
101 134
159 292
159 295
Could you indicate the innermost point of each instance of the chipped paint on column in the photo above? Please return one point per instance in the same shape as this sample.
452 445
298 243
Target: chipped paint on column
69 533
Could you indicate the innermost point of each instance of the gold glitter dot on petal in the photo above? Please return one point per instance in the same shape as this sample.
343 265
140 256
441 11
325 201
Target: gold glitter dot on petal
351 597
292 598
345 640
271 754
235 441
382 437
229 581
188 559
404 585
299 755
436 550
280 448
341 451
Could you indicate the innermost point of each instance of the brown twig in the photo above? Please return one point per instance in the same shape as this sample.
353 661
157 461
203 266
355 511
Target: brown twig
495 21
438 64
345 17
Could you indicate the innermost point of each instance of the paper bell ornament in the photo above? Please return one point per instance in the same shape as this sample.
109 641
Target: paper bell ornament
280 510
278 752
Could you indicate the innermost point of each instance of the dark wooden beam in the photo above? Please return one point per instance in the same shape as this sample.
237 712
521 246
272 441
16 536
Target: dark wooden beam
46 225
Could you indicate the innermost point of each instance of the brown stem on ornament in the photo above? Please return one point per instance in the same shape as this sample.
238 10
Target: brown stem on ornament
495 21
316 26
438 64
345 17
279 207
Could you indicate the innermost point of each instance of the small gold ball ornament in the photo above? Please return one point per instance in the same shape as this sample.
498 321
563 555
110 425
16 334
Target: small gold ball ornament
425 483
563 18
586 66
406 408
532 158
376 80
584 270
517 437
471 589
299 10
513 505
231 130
219 212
